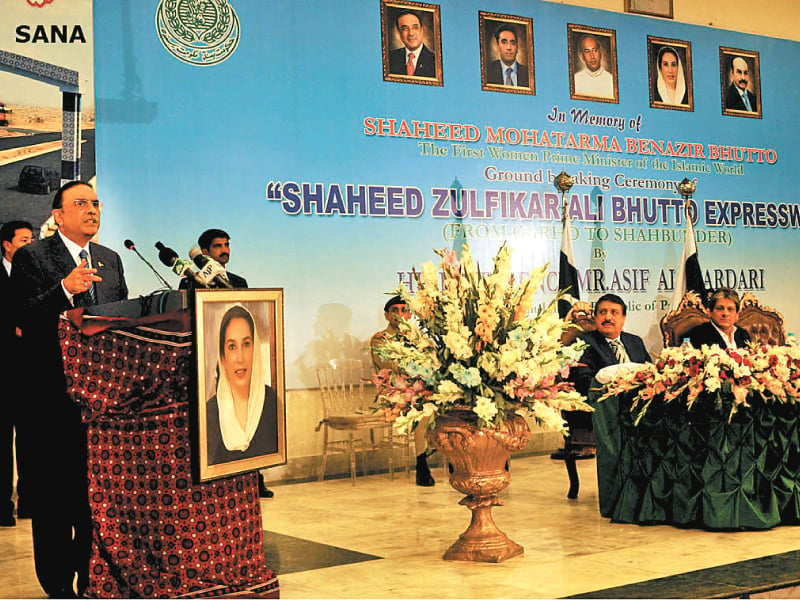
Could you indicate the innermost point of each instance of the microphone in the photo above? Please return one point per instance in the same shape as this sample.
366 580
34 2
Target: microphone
179 266
211 271
131 246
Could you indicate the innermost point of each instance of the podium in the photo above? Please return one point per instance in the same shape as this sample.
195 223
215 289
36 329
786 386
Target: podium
156 533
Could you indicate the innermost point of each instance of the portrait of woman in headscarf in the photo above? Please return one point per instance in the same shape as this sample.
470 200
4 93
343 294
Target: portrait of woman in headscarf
242 414
670 85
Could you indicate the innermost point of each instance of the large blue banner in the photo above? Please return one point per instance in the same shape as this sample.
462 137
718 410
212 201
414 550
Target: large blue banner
336 167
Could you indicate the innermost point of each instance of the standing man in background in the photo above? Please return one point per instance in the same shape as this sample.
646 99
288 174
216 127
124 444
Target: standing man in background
48 277
394 311
216 244
13 236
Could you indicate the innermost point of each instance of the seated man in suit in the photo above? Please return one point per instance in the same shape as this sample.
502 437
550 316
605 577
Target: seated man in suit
608 344
721 329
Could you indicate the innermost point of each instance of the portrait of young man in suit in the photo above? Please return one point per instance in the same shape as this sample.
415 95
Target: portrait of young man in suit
48 277
506 53
412 49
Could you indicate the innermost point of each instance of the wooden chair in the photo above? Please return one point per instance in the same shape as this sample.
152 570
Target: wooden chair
346 409
690 313
579 444
764 324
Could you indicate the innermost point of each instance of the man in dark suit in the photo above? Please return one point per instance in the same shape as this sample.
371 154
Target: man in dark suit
413 58
721 329
738 96
13 236
48 277
608 344
506 70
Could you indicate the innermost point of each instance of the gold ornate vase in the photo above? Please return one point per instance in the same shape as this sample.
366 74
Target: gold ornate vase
478 464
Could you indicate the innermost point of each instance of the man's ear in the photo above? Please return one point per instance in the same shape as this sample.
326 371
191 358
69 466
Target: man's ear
56 212
204 251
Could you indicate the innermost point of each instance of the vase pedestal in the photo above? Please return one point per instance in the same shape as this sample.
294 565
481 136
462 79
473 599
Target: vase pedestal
478 464
482 541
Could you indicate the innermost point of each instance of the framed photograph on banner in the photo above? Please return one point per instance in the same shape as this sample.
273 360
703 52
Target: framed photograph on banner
506 53
241 414
740 82
592 63
654 8
411 42
670 73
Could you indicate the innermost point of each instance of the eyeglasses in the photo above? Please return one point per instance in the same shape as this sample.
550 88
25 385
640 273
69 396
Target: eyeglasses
81 203
406 28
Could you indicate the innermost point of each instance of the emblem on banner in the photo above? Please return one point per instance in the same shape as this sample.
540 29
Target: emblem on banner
198 32
39 3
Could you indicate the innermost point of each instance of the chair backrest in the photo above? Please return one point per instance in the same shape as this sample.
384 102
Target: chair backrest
582 315
764 324
678 322
341 384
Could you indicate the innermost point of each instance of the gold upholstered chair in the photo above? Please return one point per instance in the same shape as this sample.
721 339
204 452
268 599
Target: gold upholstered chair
690 313
764 324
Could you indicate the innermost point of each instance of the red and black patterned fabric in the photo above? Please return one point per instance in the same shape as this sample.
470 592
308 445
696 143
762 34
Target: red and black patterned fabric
156 533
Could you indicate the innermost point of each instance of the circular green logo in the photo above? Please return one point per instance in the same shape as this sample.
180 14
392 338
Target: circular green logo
198 32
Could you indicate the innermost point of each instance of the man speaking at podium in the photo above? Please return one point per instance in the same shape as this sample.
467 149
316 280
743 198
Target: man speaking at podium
50 276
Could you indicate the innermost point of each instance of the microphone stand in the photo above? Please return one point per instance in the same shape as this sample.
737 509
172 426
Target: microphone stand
152 268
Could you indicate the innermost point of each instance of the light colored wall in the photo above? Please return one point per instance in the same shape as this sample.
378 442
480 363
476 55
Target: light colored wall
773 18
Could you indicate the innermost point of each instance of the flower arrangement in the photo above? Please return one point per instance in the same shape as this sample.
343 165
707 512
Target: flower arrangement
729 378
476 343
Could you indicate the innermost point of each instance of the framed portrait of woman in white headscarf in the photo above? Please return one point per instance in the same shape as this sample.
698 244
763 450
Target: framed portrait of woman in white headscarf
240 411
670 73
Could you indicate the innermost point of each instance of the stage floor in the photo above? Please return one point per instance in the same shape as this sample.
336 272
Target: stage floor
384 539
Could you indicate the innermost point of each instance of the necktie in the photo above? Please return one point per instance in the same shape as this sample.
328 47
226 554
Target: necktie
747 102
410 64
91 293
619 351
509 70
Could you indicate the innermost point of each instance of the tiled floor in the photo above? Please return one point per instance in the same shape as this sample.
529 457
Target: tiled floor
569 549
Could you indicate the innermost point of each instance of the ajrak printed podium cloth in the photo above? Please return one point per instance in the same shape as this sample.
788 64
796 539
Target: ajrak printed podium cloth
156 533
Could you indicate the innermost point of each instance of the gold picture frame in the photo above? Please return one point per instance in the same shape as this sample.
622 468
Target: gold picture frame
425 23
234 433
653 8
496 29
596 80
737 66
667 59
